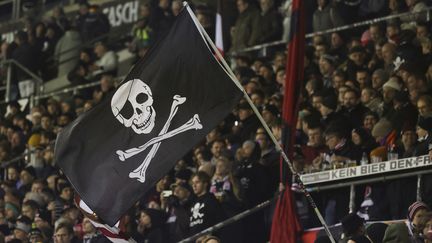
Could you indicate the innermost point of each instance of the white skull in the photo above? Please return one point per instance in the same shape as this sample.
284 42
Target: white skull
132 106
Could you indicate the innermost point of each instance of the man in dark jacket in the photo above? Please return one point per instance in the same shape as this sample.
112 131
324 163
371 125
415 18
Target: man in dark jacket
26 55
245 31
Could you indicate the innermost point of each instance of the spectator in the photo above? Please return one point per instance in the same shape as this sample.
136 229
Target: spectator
245 31
26 55
107 60
425 227
326 16
151 225
206 210
270 22
353 226
64 233
91 234
67 51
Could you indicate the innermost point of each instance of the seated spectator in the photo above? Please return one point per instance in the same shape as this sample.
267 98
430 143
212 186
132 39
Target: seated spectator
107 61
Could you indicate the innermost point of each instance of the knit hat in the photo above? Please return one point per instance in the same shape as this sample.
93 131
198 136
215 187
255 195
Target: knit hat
393 83
351 223
13 208
382 128
330 102
412 210
425 123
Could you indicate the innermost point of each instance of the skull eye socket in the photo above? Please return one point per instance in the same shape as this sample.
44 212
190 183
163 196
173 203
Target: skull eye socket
141 98
127 111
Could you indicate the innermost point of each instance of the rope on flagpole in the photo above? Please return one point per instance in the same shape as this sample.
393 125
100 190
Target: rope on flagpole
266 127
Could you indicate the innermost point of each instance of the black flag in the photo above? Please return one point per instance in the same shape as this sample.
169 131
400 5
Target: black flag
170 100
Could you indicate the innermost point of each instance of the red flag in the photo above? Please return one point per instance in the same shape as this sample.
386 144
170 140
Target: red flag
286 227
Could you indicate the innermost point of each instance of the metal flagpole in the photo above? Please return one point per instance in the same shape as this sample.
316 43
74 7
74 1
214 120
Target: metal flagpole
263 123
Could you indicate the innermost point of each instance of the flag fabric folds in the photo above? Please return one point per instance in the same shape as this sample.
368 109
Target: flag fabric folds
285 226
170 100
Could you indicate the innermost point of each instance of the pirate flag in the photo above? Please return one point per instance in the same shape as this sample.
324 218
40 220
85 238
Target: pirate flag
170 100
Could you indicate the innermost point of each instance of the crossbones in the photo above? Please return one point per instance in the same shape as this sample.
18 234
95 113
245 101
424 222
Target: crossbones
193 123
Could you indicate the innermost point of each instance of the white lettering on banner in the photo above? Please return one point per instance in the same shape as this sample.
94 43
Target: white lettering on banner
365 170
120 14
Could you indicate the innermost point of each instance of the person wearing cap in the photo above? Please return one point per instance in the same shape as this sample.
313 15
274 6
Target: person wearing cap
390 88
248 122
35 235
22 228
270 113
407 231
424 133
328 111
356 61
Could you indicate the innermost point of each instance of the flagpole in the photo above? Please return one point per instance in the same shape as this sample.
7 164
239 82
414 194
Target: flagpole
263 123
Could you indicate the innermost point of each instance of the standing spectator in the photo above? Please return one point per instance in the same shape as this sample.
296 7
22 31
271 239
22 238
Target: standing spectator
161 17
245 31
94 24
26 55
326 16
67 51
270 22
206 210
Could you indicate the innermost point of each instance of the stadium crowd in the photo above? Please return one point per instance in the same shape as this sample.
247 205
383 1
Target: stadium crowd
366 97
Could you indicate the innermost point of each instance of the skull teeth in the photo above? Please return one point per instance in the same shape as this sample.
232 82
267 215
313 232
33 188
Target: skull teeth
146 122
